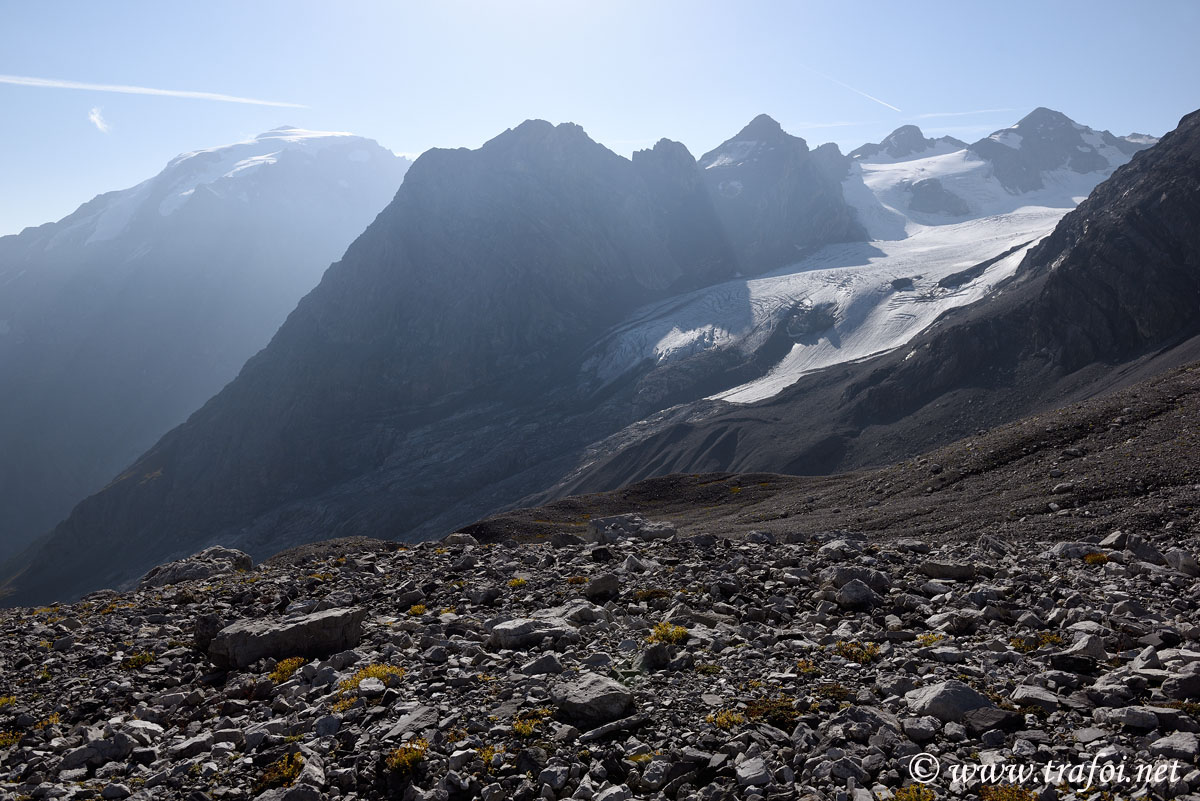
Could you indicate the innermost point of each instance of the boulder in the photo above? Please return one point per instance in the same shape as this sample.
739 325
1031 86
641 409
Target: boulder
947 701
857 596
313 635
611 529
522 633
210 562
592 699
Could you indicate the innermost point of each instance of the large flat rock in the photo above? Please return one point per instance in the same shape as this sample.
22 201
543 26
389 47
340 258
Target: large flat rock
317 634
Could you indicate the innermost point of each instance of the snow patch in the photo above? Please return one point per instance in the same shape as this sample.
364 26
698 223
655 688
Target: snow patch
734 154
1008 137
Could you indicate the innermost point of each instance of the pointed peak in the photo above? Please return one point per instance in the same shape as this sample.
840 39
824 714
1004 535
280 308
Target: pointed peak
1042 116
905 132
762 127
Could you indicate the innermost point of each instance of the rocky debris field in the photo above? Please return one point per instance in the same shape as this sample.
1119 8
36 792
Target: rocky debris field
1125 460
627 660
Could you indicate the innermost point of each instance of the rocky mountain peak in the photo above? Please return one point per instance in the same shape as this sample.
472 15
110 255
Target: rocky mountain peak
1046 140
763 127
1045 118
907 140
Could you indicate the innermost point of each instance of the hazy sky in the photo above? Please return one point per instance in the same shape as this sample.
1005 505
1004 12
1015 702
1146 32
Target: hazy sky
445 73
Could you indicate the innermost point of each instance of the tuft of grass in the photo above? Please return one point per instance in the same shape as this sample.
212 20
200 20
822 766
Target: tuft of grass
1006 792
806 667
135 661
667 633
914 792
708 670
1188 707
7 700
726 719
832 692
862 653
487 753
778 712
406 759
53 720
286 667
9 738
385 673
527 722
416 610
655 594
280 773
1096 558
1029 644
517 583
930 638
577 580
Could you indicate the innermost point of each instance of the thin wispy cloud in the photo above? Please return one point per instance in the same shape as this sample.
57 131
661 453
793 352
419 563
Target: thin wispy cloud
97 119
845 85
54 83
934 114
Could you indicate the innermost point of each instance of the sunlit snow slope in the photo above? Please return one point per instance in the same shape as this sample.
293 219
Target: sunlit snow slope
849 301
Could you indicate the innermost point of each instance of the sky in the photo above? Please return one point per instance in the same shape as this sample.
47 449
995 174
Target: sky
449 73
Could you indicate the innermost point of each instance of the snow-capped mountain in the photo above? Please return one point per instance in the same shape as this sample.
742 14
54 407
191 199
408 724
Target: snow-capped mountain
119 320
1047 143
944 228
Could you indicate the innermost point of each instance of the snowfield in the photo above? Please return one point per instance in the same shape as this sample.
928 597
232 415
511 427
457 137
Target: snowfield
880 293
111 213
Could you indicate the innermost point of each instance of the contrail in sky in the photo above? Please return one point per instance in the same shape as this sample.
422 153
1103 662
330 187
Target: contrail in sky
851 88
52 83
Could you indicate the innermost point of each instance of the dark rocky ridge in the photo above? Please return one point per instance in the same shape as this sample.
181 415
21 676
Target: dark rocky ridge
432 375
776 198
1118 280
931 197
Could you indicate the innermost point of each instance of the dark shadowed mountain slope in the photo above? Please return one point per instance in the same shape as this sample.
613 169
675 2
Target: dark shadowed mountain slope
432 375
124 317
775 197
1117 281
1123 460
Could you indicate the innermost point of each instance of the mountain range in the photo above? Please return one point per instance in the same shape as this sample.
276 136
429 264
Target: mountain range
121 319
541 317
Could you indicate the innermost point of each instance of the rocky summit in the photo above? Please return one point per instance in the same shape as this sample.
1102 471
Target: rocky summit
620 658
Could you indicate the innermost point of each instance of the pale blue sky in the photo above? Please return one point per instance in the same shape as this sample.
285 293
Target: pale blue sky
450 73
